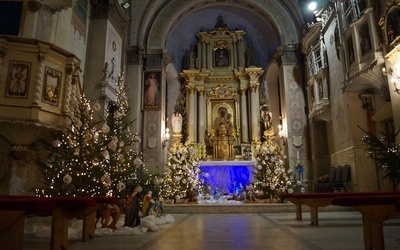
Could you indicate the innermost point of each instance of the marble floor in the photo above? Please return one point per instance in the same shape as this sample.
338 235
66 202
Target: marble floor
337 230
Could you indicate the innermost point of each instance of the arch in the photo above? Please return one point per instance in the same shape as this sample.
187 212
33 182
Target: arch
177 10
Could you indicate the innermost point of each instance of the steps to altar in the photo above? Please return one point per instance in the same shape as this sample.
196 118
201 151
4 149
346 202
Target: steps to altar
244 208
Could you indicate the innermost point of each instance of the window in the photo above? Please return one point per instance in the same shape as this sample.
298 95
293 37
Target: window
10 14
353 9
316 59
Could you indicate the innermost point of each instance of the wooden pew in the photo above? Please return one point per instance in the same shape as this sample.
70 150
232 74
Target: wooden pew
69 207
375 210
315 200
12 219
297 202
61 208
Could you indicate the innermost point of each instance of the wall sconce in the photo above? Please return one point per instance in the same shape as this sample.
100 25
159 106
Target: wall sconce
165 137
395 79
282 134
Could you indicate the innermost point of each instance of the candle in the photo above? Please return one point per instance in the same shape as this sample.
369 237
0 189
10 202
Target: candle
298 155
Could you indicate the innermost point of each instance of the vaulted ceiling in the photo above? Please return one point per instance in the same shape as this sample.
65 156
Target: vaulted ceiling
173 24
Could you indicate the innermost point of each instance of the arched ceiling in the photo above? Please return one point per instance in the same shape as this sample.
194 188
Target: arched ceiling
183 34
268 24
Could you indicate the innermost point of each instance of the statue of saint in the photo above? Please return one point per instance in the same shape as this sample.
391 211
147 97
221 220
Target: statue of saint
177 123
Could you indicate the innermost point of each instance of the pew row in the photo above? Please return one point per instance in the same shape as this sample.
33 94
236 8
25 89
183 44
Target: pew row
61 208
12 219
316 200
375 210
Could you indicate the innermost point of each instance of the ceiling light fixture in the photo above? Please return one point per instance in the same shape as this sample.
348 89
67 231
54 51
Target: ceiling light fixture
312 6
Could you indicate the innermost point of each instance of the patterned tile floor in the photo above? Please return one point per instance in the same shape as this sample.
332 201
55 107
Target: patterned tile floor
337 230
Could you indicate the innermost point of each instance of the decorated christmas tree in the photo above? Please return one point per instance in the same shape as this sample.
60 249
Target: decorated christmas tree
90 158
385 151
73 165
120 160
273 179
182 172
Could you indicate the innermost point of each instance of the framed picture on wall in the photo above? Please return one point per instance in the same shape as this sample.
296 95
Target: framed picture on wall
221 58
151 94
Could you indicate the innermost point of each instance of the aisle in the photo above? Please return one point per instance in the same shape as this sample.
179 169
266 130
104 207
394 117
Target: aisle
337 230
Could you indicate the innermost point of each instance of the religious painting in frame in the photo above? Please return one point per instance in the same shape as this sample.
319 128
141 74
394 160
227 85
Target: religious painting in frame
221 58
51 86
222 104
151 94
18 79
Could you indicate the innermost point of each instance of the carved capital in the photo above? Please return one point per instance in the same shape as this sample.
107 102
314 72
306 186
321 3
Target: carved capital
254 87
242 91
191 88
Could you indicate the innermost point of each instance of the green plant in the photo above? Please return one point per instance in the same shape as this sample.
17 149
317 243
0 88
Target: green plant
385 152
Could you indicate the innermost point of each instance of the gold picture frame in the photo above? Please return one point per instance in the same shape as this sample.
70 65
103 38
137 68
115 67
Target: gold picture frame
51 86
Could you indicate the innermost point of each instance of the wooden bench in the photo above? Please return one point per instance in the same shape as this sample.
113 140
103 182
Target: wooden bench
315 200
12 219
61 208
69 207
375 210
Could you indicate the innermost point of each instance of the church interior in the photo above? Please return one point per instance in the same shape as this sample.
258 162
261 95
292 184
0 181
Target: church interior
126 104
224 75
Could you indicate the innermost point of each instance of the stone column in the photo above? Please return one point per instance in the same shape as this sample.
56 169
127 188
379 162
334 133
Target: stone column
204 55
240 53
191 119
235 54
243 115
254 75
202 116
191 122
239 47
296 119
203 49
